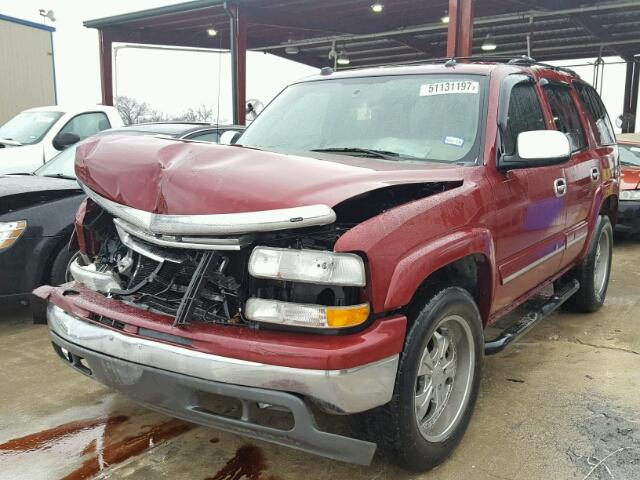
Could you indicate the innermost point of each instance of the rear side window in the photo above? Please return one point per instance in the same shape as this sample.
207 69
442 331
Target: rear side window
524 114
565 115
597 113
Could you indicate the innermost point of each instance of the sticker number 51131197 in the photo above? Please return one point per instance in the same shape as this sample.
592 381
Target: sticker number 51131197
443 88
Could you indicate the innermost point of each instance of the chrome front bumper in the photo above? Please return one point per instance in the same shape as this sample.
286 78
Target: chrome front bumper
347 391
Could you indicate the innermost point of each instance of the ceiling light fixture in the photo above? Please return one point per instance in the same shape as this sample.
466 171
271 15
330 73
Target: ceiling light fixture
489 44
291 49
343 58
377 7
212 32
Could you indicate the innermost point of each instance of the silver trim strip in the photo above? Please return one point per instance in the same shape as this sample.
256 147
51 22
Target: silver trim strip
533 265
125 228
218 224
351 390
128 239
575 240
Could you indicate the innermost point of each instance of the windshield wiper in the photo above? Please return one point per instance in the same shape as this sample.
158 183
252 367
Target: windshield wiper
385 154
8 141
59 175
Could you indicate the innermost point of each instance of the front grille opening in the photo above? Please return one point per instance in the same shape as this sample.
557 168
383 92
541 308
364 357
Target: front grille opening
76 361
204 286
267 415
109 322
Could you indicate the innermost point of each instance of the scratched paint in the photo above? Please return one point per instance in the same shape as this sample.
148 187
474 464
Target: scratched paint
88 446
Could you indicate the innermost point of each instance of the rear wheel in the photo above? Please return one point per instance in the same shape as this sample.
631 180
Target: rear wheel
436 386
594 271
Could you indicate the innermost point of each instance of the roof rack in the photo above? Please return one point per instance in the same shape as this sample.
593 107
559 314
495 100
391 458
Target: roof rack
523 60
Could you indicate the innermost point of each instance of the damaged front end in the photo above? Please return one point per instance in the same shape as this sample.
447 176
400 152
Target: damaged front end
292 279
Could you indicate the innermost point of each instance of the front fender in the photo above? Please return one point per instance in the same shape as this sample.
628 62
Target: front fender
417 265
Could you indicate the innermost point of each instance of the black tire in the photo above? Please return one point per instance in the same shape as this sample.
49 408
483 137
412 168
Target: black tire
590 297
60 265
394 426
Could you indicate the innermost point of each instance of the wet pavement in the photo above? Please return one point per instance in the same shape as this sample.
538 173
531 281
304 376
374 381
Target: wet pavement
563 402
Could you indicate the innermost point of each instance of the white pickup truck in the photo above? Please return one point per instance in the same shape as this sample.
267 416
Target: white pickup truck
36 135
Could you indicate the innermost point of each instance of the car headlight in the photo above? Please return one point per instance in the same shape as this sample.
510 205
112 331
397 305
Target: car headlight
301 315
630 195
308 266
10 232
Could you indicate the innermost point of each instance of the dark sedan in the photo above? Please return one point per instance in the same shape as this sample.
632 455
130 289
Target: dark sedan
37 212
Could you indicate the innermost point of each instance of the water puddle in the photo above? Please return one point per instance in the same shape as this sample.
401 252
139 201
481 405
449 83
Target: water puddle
79 449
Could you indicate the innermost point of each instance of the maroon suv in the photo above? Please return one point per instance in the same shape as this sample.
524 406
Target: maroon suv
347 254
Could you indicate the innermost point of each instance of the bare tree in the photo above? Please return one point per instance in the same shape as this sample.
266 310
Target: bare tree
156 116
203 113
131 110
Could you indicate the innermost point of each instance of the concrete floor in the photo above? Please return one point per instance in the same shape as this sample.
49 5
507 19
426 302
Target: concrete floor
561 403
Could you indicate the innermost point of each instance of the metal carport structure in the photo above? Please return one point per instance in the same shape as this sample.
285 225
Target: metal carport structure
403 31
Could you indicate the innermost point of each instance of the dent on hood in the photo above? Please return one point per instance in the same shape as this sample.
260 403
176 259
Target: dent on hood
171 177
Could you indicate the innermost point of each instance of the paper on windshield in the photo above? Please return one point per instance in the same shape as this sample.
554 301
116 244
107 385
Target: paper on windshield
451 87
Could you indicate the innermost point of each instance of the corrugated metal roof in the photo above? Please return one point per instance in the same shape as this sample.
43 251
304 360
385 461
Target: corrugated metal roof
406 30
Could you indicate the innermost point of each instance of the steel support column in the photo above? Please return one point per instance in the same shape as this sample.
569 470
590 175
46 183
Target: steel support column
460 33
629 109
238 49
106 66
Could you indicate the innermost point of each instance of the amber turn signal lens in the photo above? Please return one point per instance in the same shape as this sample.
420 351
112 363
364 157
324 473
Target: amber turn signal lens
340 317
10 232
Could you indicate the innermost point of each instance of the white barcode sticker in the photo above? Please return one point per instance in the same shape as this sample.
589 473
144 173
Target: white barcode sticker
444 88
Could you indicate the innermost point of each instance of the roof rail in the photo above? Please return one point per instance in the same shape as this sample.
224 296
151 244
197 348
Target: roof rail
509 60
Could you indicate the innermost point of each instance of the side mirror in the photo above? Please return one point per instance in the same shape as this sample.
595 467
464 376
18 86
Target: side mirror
64 140
229 137
538 148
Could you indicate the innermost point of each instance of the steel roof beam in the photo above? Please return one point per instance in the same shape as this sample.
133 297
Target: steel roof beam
597 31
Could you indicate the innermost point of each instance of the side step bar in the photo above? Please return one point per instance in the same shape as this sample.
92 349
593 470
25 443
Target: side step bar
530 319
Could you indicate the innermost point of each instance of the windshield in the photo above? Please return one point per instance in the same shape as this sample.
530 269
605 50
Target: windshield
405 118
629 154
28 127
62 165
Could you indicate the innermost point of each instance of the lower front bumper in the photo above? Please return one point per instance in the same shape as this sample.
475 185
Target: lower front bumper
181 396
173 380
349 390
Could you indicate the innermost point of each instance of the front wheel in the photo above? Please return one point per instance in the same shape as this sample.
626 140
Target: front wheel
437 383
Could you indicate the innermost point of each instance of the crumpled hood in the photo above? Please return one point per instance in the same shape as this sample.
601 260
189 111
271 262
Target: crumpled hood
629 178
187 178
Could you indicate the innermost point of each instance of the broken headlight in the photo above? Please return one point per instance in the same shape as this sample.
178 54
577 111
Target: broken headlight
307 266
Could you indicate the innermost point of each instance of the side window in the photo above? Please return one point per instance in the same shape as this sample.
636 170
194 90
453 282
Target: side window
87 124
565 115
524 114
212 137
597 113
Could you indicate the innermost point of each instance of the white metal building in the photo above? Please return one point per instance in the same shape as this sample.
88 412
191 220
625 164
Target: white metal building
27 72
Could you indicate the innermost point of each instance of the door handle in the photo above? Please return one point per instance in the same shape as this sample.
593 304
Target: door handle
560 187
595 174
